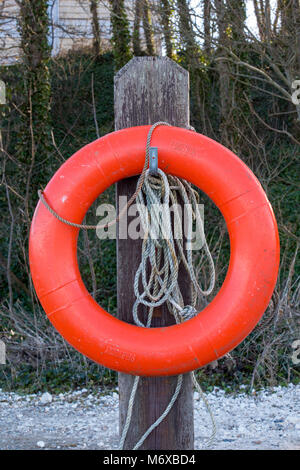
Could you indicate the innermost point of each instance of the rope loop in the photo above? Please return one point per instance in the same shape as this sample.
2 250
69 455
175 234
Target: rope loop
162 252
163 249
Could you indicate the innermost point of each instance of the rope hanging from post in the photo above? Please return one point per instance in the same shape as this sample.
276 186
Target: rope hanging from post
163 251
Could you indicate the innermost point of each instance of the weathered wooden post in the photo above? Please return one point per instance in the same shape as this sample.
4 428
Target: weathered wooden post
147 90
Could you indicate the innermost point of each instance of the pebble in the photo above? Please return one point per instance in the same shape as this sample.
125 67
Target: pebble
46 398
268 419
293 420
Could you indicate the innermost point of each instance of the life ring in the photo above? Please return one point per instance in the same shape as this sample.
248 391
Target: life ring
231 315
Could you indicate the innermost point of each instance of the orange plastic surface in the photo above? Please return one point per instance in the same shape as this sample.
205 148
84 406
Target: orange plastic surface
250 278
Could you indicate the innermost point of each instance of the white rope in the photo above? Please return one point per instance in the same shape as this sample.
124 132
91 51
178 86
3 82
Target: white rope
163 252
154 196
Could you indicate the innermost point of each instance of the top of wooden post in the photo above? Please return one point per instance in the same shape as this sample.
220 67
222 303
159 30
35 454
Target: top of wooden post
141 61
154 83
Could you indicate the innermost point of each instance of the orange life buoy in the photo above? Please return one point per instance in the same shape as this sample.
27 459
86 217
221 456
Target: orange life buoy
250 278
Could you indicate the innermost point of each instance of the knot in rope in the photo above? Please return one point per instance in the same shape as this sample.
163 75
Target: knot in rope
188 312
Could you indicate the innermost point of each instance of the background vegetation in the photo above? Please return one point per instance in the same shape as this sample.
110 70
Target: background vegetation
241 87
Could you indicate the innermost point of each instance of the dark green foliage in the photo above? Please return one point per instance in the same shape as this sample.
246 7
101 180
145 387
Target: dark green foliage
34 135
235 21
96 28
72 116
72 107
187 35
166 12
120 33
148 31
56 378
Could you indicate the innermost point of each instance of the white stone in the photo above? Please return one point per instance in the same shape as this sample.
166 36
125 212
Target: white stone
293 420
40 444
241 429
46 398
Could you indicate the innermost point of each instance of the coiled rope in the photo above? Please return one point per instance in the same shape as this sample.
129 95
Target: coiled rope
163 250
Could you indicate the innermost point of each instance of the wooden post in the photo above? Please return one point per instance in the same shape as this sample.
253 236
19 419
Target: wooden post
147 90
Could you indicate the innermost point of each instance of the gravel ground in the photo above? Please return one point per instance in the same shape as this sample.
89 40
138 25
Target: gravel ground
269 419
